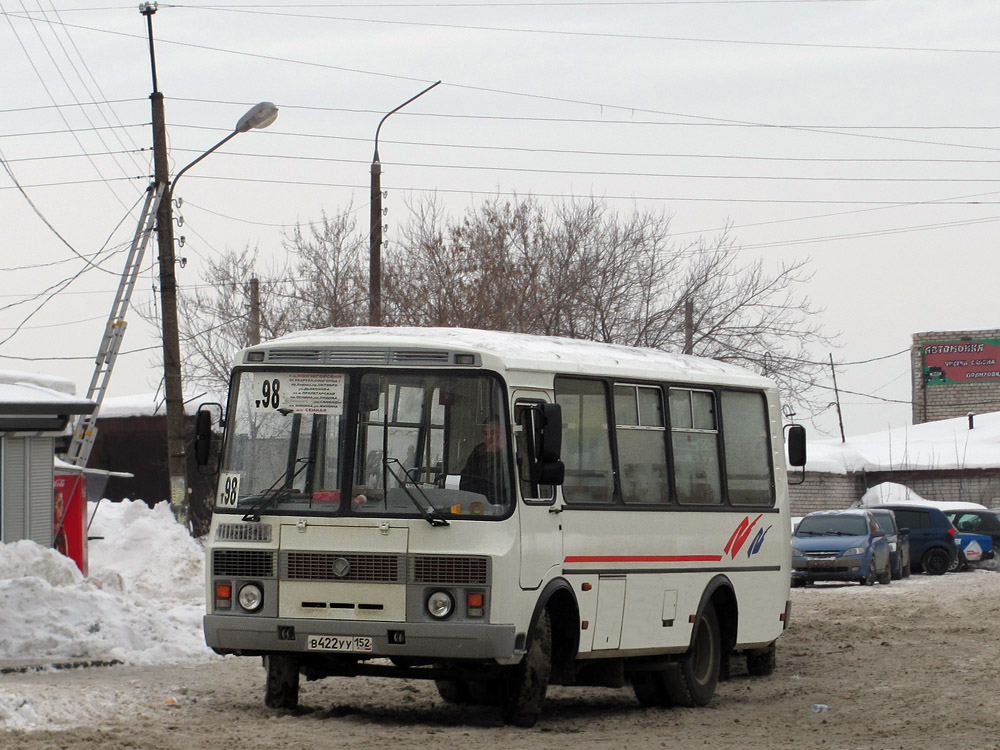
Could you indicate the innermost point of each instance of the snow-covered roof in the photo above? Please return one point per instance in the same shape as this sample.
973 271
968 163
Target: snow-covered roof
153 404
524 351
945 444
24 394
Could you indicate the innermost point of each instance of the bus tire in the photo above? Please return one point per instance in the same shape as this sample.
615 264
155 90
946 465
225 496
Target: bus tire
281 689
524 686
762 661
651 689
456 692
693 678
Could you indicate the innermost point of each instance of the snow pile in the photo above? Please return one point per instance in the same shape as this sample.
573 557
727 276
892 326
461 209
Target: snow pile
142 603
944 444
890 493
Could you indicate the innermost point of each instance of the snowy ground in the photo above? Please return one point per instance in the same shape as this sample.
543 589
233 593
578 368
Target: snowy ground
908 665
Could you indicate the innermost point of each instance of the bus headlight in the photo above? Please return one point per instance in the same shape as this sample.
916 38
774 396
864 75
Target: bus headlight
251 597
440 605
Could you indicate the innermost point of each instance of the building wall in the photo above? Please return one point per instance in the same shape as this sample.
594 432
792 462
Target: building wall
934 402
824 492
835 491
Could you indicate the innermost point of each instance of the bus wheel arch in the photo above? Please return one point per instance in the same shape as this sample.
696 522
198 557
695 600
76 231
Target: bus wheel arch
559 601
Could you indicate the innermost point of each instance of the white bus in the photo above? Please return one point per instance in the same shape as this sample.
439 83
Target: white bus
497 512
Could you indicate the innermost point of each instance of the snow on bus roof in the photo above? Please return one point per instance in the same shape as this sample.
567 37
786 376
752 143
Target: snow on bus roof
520 350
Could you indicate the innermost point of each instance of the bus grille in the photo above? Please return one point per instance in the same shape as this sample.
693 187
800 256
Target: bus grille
243 532
243 563
439 569
327 566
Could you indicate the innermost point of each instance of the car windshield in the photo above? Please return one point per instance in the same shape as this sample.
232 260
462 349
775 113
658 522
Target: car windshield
885 522
431 445
832 525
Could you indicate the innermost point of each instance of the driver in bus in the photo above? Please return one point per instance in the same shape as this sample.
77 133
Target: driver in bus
484 467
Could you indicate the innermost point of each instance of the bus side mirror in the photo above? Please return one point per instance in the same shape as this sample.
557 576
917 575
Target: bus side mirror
797 445
542 425
203 433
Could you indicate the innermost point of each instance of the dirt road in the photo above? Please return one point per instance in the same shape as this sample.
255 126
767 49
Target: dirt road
911 665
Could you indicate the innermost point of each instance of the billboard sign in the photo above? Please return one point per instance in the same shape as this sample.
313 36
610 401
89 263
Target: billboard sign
951 362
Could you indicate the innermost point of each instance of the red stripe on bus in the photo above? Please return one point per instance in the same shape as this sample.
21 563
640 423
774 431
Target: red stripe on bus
641 558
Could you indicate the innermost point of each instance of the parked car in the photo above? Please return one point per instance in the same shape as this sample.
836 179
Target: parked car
932 537
971 548
899 542
977 522
840 545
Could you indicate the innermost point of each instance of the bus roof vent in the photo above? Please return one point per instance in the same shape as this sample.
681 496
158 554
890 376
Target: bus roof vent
357 356
294 355
420 356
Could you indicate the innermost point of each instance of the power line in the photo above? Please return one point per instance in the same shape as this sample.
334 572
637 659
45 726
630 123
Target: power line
593 34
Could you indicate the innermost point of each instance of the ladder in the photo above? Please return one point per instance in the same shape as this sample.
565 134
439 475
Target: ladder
85 426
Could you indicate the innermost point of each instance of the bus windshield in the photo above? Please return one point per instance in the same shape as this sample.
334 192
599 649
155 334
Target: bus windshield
420 444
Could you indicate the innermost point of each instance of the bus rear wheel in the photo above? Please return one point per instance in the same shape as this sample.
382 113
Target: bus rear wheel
651 689
281 689
692 680
524 686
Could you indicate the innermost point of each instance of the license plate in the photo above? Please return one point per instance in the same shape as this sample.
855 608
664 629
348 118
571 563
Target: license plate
344 643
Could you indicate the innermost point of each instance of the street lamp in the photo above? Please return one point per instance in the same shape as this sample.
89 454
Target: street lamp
375 227
259 116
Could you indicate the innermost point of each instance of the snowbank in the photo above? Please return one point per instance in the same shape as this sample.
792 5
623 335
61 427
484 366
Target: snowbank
945 444
890 493
142 603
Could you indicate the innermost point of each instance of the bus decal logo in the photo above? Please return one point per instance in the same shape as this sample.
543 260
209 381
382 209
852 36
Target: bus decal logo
740 536
757 542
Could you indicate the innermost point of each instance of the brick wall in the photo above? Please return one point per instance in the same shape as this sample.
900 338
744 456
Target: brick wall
933 402
835 491
824 492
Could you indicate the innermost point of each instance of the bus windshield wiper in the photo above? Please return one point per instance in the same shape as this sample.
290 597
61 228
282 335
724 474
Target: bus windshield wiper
428 511
272 495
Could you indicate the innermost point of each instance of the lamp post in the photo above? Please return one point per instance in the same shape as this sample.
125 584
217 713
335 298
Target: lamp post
375 233
259 116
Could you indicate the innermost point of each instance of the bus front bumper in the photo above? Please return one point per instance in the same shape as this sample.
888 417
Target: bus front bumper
261 635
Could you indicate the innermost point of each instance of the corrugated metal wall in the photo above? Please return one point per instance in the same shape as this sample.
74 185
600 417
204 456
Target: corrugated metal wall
26 476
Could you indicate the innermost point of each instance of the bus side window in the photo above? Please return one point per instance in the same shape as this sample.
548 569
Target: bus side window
694 437
586 442
748 448
642 448
530 491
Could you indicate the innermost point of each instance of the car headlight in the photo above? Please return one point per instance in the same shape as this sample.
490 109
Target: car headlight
251 598
892 546
797 553
853 551
440 605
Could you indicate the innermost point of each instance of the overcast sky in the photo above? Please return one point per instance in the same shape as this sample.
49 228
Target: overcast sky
858 133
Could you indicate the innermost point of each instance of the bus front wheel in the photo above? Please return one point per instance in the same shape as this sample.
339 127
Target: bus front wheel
281 689
524 686
693 679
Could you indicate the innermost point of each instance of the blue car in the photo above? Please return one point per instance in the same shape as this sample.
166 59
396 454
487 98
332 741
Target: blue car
840 545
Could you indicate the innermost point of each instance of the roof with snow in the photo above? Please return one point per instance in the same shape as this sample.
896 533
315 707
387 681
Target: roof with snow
520 351
36 403
941 445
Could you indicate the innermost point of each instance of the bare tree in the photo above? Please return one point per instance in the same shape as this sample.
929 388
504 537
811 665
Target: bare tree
575 268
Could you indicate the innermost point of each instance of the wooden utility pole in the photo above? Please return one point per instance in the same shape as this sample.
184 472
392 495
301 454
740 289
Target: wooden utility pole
176 427
254 311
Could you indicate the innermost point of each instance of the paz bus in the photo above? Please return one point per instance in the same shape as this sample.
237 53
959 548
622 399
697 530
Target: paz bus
497 512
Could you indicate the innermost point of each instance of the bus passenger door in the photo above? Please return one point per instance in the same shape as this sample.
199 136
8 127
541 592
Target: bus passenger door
538 512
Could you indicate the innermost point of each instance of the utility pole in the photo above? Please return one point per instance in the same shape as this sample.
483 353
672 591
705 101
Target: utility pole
689 327
375 227
836 393
176 428
254 311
